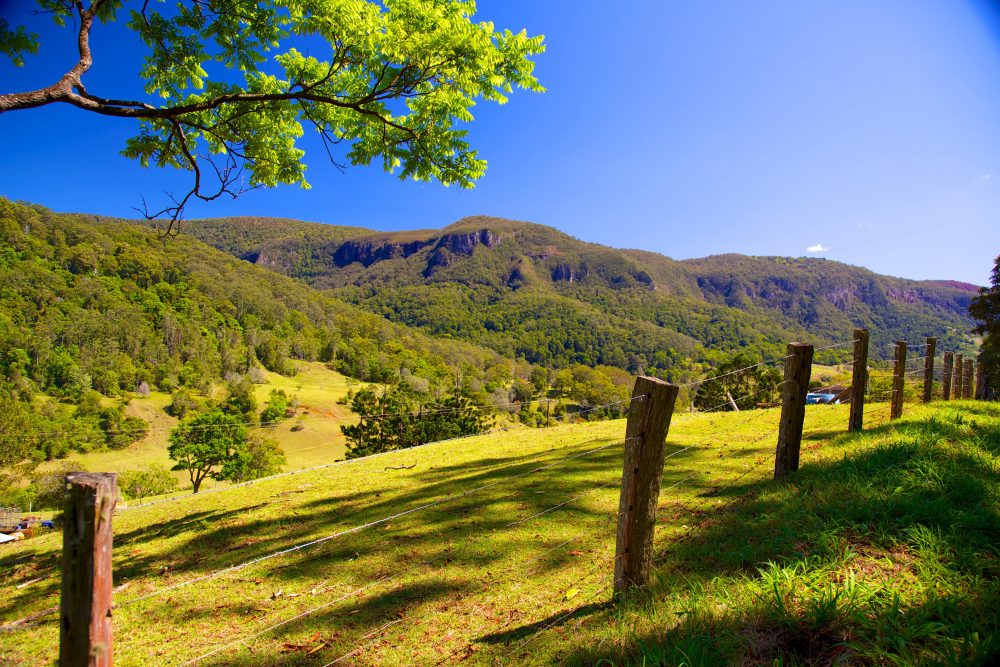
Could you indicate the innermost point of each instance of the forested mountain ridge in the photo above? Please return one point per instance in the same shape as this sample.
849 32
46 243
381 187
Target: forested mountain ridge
828 296
531 291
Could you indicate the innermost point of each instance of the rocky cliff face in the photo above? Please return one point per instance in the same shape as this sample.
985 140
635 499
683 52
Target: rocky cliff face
569 274
464 244
369 251
904 295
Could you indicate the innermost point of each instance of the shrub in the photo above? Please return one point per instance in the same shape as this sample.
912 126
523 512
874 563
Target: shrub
182 403
153 480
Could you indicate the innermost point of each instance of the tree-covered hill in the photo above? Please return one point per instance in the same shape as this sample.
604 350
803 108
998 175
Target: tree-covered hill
92 308
829 297
530 291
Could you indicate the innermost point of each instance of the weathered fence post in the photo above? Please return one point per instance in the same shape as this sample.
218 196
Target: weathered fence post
898 381
85 627
798 369
948 362
967 386
859 380
645 434
956 378
980 382
929 369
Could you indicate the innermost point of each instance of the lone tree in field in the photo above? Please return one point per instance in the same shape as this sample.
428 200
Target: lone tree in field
393 82
985 309
212 444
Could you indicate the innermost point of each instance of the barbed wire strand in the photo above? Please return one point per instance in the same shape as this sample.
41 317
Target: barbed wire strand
721 406
359 459
706 379
378 581
355 529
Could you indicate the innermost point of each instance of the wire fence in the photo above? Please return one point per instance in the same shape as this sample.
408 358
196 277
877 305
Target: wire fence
372 636
743 433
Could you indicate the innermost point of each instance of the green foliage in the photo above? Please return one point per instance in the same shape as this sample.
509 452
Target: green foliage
91 307
533 293
985 309
16 43
828 298
17 443
182 403
277 405
210 445
263 457
48 488
746 387
394 85
241 400
390 420
153 480
121 430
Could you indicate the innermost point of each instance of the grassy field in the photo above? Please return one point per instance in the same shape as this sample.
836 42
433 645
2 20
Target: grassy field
309 439
499 549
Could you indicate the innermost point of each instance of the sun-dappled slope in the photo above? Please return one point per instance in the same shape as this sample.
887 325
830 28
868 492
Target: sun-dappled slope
499 549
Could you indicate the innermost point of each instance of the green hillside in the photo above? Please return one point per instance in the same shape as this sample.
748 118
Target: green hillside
310 437
93 309
499 549
530 291
829 297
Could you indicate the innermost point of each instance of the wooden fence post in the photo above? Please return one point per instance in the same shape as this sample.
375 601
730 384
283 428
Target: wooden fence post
948 362
798 369
898 381
85 628
980 382
956 378
929 369
967 386
645 434
859 380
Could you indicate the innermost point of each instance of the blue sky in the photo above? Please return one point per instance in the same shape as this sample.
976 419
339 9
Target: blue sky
868 132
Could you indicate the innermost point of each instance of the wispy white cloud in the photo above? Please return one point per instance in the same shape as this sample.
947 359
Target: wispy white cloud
985 178
819 247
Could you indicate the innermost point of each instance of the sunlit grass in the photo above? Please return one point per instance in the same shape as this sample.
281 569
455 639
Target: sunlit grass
861 554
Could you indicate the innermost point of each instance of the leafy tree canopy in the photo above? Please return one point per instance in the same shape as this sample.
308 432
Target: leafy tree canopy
212 444
152 480
390 420
264 457
231 85
985 308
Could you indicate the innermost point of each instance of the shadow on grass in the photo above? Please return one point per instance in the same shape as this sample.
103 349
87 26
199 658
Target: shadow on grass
436 536
888 556
474 501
